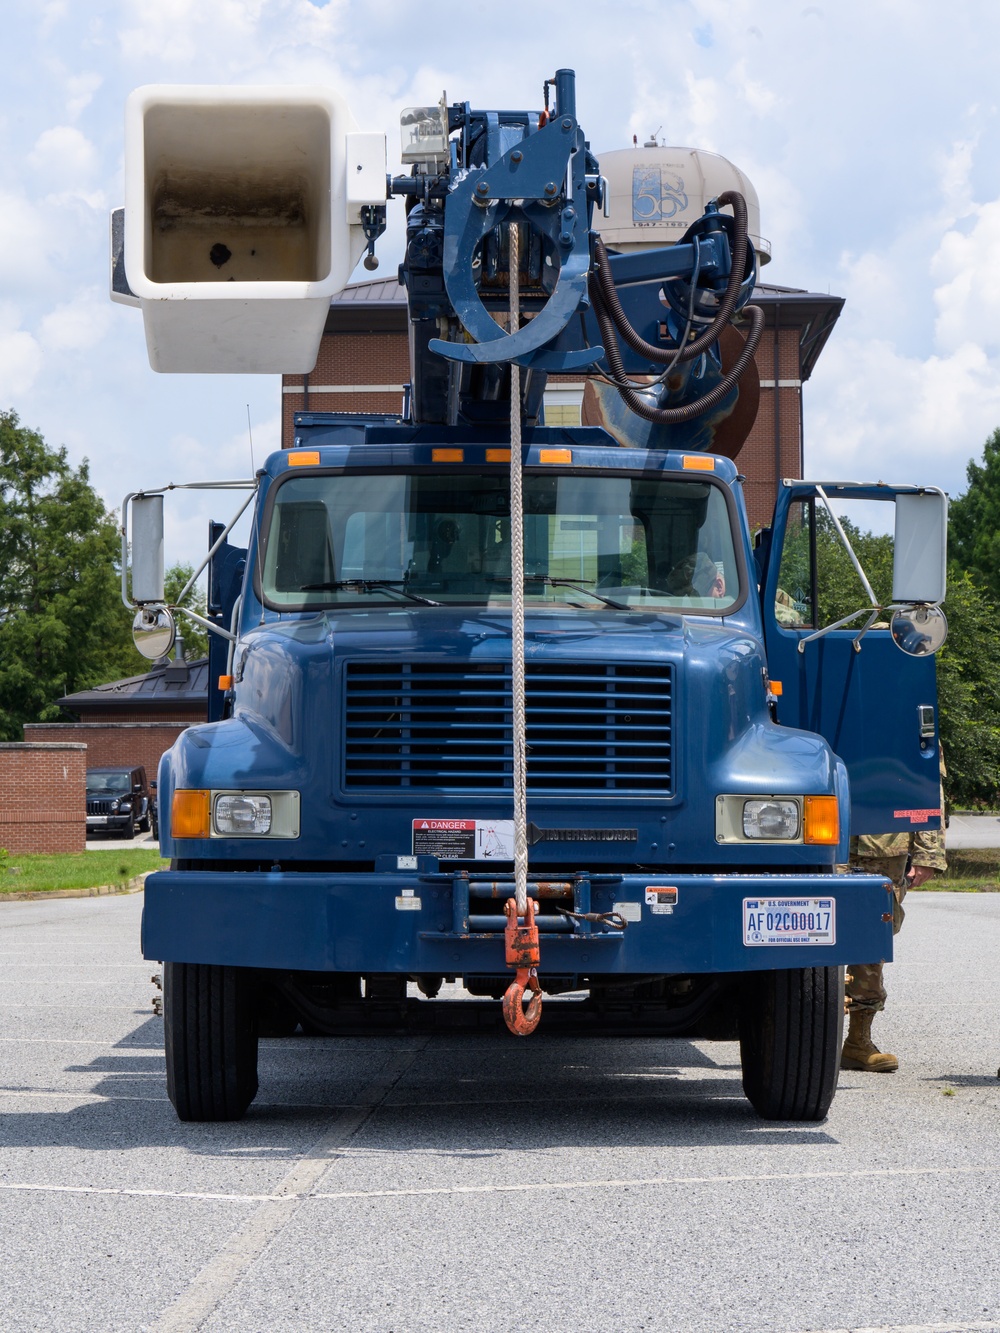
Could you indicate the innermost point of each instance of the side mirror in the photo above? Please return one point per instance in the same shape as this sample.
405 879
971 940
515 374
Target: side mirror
153 631
147 549
920 547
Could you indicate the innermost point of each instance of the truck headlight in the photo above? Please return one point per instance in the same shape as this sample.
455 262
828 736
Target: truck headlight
771 819
242 814
231 813
748 817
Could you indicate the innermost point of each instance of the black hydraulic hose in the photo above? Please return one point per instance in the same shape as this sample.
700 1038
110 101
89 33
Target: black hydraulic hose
605 283
666 416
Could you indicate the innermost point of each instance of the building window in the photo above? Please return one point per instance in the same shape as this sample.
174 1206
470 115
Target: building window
562 406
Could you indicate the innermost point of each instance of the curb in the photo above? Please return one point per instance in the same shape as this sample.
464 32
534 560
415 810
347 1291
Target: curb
134 885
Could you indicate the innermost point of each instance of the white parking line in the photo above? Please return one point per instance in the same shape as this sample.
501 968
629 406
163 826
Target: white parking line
297 1184
92 967
75 1041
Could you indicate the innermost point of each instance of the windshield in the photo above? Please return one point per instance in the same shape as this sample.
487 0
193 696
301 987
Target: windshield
650 541
116 782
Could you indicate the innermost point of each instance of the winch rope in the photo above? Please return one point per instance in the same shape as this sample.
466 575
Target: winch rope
517 594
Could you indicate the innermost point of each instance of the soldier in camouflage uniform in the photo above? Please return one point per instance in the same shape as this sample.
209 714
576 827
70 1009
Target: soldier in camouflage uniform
884 854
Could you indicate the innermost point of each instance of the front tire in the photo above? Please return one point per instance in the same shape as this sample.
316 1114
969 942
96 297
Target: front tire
210 1029
791 1025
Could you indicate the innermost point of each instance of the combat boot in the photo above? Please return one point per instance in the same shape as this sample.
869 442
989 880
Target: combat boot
860 1052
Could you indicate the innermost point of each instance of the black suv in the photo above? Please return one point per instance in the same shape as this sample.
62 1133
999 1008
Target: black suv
118 801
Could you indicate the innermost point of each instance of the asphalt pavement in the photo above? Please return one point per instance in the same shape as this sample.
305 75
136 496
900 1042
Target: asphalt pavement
969 831
104 841
404 1184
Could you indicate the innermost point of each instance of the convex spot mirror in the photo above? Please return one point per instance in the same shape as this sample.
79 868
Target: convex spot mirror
919 630
153 631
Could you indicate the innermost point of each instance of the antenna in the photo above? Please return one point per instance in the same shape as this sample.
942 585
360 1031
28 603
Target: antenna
253 470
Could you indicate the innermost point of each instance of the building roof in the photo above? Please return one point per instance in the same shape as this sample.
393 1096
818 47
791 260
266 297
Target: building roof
813 313
368 307
168 684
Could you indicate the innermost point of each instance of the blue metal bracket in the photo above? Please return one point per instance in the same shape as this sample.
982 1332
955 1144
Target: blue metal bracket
550 186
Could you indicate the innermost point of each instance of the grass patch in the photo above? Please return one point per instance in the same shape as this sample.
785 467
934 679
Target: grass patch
971 870
75 870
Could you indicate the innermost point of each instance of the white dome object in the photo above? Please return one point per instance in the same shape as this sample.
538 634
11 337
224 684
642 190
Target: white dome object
656 193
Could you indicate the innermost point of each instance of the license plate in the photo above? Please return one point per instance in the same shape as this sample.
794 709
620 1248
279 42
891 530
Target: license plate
97 819
768 921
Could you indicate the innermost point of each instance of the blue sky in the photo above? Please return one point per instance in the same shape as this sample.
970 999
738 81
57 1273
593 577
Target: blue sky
870 131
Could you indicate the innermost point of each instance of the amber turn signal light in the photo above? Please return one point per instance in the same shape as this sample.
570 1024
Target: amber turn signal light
189 814
822 820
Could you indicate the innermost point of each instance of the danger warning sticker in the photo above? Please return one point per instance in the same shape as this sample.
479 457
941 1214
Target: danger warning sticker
661 899
464 839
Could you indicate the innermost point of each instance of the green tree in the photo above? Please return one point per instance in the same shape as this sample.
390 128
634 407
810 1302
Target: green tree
840 590
194 638
974 519
968 673
968 677
62 624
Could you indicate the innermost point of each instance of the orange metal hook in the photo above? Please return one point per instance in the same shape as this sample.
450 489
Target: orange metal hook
522 1022
523 954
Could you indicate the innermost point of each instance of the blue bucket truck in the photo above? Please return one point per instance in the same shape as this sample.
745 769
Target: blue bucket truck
515 705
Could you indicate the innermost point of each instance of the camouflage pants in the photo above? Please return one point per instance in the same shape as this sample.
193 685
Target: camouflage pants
865 988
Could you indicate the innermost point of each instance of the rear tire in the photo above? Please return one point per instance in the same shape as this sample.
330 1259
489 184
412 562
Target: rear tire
791 1026
210 1028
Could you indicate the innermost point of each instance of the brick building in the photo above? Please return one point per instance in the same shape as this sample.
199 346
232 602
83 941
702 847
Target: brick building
131 721
363 366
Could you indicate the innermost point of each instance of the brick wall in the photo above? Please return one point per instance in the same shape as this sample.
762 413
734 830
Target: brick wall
350 360
43 797
112 743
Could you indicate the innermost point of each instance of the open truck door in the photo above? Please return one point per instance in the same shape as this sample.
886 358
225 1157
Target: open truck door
851 649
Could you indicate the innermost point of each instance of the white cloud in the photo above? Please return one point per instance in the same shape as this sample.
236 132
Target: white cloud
24 237
20 357
967 296
954 174
51 15
874 414
64 157
77 325
224 40
759 99
80 90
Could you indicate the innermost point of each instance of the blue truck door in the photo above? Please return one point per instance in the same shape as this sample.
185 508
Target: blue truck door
874 704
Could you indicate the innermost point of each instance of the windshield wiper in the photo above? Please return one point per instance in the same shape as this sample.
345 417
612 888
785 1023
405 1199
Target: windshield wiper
371 585
562 583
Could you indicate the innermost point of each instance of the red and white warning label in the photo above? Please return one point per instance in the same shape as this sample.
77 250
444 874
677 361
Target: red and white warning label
661 899
464 839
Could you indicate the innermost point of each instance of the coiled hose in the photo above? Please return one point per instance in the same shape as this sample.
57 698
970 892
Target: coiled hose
613 321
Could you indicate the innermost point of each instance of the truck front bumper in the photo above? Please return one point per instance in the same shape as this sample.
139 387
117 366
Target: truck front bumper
452 923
